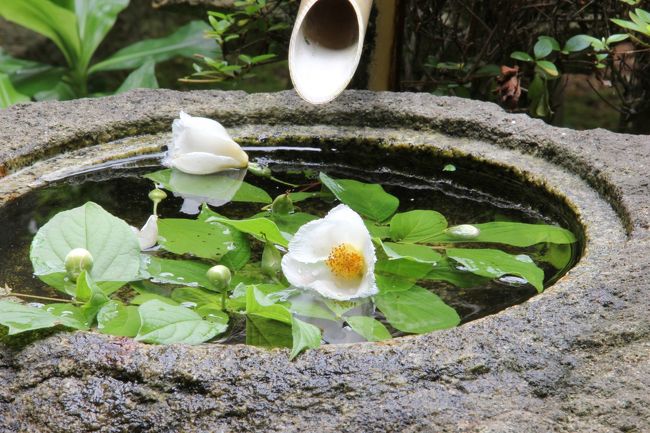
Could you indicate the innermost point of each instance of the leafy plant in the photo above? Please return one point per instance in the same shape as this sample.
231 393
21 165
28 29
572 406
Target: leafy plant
253 33
546 70
640 23
78 28
184 294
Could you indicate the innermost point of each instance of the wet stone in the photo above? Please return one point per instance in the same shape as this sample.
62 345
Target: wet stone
573 359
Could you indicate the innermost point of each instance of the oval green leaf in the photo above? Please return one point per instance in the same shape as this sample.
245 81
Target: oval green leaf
416 311
417 226
368 199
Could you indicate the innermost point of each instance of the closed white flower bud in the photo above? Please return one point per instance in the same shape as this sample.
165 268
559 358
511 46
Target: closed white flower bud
464 231
202 146
77 261
219 276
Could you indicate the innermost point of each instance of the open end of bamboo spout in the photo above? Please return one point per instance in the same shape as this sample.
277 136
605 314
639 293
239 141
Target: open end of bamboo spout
326 47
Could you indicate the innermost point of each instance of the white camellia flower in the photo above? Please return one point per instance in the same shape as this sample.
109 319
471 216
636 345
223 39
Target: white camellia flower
148 234
202 146
333 256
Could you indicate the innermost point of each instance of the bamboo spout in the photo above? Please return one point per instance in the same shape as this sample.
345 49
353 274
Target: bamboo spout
326 46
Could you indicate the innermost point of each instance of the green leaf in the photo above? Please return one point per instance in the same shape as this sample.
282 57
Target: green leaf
213 313
628 24
304 336
400 274
309 309
416 226
516 234
301 196
369 328
370 200
542 48
186 41
259 305
444 271
162 323
548 67
267 333
416 311
539 97
236 258
89 292
449 167
555 45
54 22
142 78
69 315
195 295
62 91
146 297
260 228
643 15
112 243
20 318
28 77
94 19
520 55
8 94
267 324
181 272
292 222
209 240
558 256
495 264
617 38
377 231
578 43
417 253
116 319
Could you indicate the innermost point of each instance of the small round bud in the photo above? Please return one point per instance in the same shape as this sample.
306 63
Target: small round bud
157 195
258 170
77 261
282 205
464 231
271 260
219 276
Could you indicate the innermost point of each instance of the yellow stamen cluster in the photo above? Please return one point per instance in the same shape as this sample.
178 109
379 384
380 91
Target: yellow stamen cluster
347 262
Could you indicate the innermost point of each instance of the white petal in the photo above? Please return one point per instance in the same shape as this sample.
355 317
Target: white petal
314 241
300 274
148 235
199 134
202 163
304 265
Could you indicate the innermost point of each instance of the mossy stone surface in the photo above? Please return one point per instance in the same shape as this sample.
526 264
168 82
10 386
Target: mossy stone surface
574 359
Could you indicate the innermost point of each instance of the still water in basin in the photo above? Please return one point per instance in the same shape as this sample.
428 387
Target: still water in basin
460 193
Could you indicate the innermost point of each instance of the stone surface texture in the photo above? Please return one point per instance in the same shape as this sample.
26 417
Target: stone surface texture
574 359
